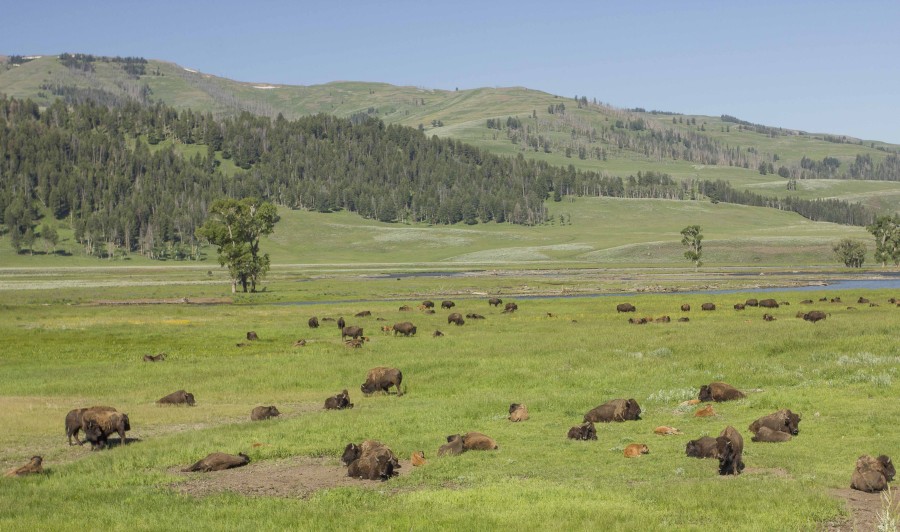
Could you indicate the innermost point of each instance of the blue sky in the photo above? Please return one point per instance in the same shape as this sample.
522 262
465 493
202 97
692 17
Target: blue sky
818 66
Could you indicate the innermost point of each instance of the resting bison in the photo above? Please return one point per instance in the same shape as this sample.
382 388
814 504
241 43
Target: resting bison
363 314
806 302
615 410
730 449
663 319
264 412
251 335
625 307
405 308
382 378
427 304
751 303
99 425
456 318
685 308
33 467
476 441
518 412
719 391
637 321
495 301
453 447
353 451
634 450
405 328
684 319
835 300
814 316
339 401
768 303
417 458
313 323
435 334
585 432
783 421
872 474
708 306
738 306
666 431
768 317
155 358
474 316
767 435
704 447
75 421
218 462
510 307
341 323
180 397
370 460
447 304
352 331
706 411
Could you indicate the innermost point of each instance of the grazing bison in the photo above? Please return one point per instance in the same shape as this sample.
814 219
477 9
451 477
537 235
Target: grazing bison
476 441
510 307
767 435
456 318
405 328
814 316
341 323
495 301
218 462
872 474
99 425
363 314
768 303
704 447
585 432
708 306
351 331
474 316
685 308
518 412
615 410
261 413
313 323
738 306
252 336
730 449
625 307
382 378
33 467
435 334
634 450
427 304
751 303
447 304
417 458
154 358
783 421
339 401
180 397
453 447
405 308
75 421
768 317
718 392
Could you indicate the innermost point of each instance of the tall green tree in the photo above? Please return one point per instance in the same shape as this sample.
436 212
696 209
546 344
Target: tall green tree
235 227
692 237
850 252
886 230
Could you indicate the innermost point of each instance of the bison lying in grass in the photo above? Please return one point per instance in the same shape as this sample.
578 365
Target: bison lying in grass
380 379
453 447
456 318
261 413
339 401
370 460
180 397
814 316
719 391
782 421
872 474
518 412
33 467
154 358
470 441
615 410
704 447
218 462
313 322
585 432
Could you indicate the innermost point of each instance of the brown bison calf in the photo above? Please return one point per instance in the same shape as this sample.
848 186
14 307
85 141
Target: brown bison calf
495 301
730 449
456 318
518 412
615 410
453 447
75 421
704 447
584 432
180 397
708 306
33 467
261 413
382 378
625 307
339 401
447 304
405 328
872 474
218 462
405 308
719 391
417 458
814 316
313 322
783 421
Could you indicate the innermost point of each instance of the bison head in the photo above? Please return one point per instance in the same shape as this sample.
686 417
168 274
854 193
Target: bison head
888 467
692 449
126 423
792 422
351 453
367 387
705 393
189 399
632 410
513 407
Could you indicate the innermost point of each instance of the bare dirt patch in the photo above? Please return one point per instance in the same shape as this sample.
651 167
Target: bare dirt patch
294 477
864 509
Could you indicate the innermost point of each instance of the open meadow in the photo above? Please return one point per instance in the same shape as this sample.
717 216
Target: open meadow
560 356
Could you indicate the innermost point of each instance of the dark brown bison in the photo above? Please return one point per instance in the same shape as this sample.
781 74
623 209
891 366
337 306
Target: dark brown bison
510 307
476 441
351 331
806 302
708 306
768 317
382 378
218 462
33 467
785 304
586 431
261 413
685 308
835 300
341 323
719 391
340 401
474 316
814 316
327 319
405 328
518 412
363 314
427 304
768 303
767 435
447 304
154 358
625 307
872 474
704 447
730 449
637 321
783 421
405 308
738 306
252 336
453 447
615 410
370 460
180 397
456 318
435 334
99 425
313 322
75 421
751 303
684 319
495 301
429 311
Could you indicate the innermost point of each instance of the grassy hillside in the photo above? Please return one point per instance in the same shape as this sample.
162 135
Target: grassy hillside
464 115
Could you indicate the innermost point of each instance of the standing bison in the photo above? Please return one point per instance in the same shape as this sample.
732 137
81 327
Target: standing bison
313 322
814 316
719 391
768 303
495 301
447 304
382 378
341 323
75 421
625 307
99 425
615 410
708 306
510 307
405 328
730 449
456 318
426 304
261 413
751 303
352 331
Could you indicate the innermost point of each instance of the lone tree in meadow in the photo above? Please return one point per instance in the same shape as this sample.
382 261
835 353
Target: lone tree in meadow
235 227
886 230
851 252
693 238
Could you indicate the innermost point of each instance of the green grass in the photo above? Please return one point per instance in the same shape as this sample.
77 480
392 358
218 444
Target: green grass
840 374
